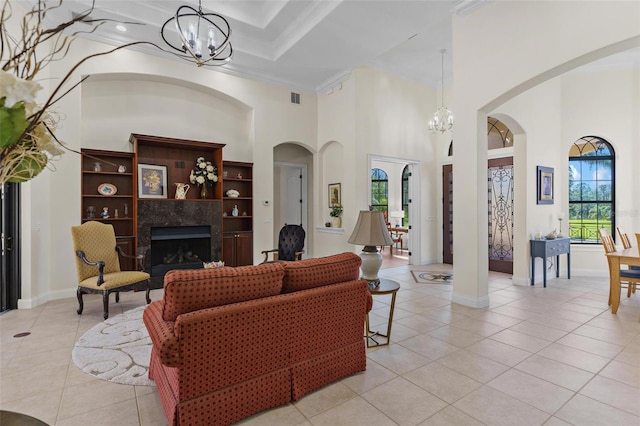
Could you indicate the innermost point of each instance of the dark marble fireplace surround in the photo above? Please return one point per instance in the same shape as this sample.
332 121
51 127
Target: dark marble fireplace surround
172 213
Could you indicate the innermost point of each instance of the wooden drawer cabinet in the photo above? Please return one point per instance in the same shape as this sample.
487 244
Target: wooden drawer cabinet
237 248
548 248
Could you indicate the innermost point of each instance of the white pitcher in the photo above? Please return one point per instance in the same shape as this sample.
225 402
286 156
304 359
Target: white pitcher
181 190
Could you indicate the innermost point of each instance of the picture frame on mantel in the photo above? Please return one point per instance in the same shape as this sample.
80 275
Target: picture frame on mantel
545 185
335 195
152 181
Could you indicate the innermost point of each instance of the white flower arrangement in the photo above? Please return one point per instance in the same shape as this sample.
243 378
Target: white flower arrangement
233 193
204 173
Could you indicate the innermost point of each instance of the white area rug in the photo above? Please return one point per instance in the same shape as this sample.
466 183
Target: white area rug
118 350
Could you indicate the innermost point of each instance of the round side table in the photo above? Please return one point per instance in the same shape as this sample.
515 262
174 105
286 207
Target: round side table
385 287
9 418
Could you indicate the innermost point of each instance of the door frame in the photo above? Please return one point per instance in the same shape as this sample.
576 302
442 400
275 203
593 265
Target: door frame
447 224
414 196
10 263
304 182
497 159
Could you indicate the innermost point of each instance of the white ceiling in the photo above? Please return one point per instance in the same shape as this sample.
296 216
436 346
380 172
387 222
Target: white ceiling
304 45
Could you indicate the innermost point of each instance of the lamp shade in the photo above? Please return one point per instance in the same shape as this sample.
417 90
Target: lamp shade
371 230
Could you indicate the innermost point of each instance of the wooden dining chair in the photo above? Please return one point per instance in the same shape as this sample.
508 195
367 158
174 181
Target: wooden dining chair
624 237
397 239
629 278
626 243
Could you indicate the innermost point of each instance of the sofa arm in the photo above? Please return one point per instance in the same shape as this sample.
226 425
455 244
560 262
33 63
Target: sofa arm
369 301
162 334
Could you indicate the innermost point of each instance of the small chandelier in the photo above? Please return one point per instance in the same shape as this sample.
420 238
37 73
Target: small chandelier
442 120
189 23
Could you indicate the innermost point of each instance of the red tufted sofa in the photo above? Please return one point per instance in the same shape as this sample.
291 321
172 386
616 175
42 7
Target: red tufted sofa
231 342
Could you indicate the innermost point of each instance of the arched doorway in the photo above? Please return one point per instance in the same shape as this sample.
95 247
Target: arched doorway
500 191
406 199
292 166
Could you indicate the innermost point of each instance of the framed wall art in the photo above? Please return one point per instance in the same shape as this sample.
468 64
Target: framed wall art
335 195
152 181
545 185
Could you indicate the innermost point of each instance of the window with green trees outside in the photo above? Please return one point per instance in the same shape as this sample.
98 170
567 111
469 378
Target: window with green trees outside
591 189
380 191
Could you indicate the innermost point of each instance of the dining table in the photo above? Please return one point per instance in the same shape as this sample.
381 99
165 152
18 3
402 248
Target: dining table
629 257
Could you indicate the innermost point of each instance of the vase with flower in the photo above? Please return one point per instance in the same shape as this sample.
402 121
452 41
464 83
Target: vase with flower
205 175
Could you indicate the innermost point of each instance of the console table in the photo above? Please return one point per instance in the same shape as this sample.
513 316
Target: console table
546 248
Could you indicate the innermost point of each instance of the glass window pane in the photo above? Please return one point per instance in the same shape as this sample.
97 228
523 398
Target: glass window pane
604 215
588 190
604 192
603 170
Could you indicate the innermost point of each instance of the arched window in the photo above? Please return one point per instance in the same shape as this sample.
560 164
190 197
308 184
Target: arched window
591 189
405 194
498 135
380 191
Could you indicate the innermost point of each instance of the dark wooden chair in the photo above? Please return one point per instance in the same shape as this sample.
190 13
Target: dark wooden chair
290 245
98 265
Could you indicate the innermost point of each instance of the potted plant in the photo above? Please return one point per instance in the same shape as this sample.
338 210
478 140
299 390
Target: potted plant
336 212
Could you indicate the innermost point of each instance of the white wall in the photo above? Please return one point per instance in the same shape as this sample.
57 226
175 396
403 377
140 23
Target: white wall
391 121
250 117
605 103
372 113
483 81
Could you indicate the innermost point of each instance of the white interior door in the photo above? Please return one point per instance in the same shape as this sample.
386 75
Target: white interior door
293 190
292 196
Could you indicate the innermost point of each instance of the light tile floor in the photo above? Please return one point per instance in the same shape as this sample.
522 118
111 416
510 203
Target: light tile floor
554 356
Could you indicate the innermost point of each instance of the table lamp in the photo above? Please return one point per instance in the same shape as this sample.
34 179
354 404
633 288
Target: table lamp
371 231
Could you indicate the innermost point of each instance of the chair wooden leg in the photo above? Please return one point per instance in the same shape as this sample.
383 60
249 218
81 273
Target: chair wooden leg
117 297
80 302
148 290
105 304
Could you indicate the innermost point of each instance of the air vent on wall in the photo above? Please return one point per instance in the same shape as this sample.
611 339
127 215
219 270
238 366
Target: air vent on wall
295 98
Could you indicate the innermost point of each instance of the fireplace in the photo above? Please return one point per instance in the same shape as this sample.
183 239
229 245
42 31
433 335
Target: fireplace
179 247
169 220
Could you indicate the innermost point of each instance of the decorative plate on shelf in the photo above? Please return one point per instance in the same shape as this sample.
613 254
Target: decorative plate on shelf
107 189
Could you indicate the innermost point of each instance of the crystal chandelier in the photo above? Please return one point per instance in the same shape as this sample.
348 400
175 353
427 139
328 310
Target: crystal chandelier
190 24
442 120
